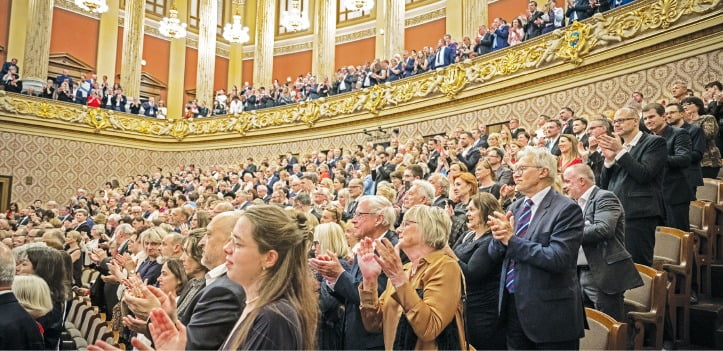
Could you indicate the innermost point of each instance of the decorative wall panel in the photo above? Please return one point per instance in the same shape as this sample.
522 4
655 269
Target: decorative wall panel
58 166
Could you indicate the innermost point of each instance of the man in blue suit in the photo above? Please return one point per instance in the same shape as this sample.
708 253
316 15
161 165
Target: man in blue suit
538 241
374 218
501 32
445 55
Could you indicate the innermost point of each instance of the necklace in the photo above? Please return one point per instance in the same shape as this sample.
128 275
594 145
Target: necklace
252 300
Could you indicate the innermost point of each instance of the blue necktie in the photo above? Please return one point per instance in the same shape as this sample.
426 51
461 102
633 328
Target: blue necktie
522 224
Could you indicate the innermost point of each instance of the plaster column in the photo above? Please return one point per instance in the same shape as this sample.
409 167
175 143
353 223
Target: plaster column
108 42
324 43
37 44
390 19
132 48
236 52
464 18
264 53
177 63
208 11
17 32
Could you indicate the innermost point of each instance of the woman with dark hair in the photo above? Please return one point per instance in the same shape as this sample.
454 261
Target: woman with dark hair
195 270
267 256
50 265
711 162
13 211
481 274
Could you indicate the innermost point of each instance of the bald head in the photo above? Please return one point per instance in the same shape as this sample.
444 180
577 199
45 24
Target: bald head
217 234
7 267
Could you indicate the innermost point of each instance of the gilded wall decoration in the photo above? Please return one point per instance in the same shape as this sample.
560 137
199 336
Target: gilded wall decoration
570 44
60 166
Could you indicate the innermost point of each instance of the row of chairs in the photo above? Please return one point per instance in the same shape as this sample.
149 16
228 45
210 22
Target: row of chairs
706 222
84 324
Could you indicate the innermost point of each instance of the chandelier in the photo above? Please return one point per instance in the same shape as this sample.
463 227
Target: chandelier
97 6
359 5
235 32
171 26
293 19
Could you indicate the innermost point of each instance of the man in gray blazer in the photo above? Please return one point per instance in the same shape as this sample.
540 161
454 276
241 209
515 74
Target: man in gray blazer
538 243
605 269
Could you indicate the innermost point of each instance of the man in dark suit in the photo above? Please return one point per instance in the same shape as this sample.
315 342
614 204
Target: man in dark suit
250 166
515 127
19 330
356 190
534 24
503 174
605 269
634 170
595 159
374 218
694 175
567 115
383 168
216 308
80 224
552 137
538 242
469 155
484 43
676 190
434 154
445 55
579 129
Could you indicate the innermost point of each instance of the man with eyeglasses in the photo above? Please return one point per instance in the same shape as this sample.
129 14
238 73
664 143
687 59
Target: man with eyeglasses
374 218
675 117
356 188
538 241
676 191
595 159
634 170
502 173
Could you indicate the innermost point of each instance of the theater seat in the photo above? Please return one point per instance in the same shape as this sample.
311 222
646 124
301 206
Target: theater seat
605 332
702 216
646 306
673 253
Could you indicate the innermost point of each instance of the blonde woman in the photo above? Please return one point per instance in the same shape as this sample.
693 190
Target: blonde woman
33 294
329 240
493 140
568 152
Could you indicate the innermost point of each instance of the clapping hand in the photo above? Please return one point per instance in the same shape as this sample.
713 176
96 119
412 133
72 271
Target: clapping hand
611 146
502 225
328 266
391 263
368 264
166 335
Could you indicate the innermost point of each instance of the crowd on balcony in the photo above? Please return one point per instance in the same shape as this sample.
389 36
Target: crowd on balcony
538 21
298 251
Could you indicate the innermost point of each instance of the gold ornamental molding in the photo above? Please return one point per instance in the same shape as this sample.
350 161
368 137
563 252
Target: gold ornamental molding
638 25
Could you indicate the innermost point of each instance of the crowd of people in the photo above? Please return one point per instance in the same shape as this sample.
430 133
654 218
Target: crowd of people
469 239
537 21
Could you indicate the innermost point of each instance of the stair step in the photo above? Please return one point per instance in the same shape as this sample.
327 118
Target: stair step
706 318
718 342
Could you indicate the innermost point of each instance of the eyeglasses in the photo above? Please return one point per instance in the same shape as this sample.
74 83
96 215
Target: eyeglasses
521 169
359 214
407 222
621 120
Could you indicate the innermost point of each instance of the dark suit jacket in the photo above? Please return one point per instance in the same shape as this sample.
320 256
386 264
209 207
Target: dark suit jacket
567 127
433 161
447 57
547 292
471 159
603 242
596 161
637 178
555 150
694 173
346 290
381 173
485 45
441 202
214 312
19 330
676 189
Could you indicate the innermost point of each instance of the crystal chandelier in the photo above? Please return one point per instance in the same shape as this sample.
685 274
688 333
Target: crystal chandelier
97 6
235 32
293 19
171 26
359 5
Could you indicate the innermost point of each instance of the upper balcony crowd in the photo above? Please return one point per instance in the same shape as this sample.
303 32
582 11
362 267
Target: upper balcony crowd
91 91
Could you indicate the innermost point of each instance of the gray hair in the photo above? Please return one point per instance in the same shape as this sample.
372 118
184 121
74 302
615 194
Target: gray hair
124 228
425 188
7 266
542 158
434 224
33 294
379 204
443 182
